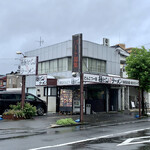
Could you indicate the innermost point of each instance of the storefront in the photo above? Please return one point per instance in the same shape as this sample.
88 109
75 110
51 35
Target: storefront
101 93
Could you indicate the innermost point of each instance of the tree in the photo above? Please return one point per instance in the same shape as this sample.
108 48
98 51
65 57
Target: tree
138 67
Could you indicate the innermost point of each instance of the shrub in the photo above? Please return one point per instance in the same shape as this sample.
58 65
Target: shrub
67 121
27 112
15 113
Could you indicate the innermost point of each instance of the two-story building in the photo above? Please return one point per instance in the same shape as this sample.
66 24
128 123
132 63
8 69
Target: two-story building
104 89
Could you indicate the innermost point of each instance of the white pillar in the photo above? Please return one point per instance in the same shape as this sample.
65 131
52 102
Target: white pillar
127 97
107 99
119 99
123 100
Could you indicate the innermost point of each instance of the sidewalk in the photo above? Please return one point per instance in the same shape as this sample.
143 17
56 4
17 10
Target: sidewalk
44 122
39 125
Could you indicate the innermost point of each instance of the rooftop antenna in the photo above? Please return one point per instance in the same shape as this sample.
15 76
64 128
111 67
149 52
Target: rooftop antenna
41 41
119 37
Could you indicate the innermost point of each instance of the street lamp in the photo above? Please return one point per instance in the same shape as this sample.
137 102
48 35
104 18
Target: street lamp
23 83
20 53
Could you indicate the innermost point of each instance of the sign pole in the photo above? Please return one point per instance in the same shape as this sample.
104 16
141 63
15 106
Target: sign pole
81 82
77 65
32 64
23 91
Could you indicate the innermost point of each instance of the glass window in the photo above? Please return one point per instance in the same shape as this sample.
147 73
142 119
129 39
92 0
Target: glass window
90 64
64 64
43 67
51 91
30 97
39 68
99 66
84 64
60 64
7 96
47 67
18 96
45 91
94 65
69 64
55 65
51 64
103 66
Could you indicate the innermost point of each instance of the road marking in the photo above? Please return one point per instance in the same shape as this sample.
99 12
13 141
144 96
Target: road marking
130 141
90 139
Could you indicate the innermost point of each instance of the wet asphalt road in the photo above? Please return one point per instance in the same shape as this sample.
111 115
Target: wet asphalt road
129 136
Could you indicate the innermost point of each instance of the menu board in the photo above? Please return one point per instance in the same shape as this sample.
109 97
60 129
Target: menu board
65 98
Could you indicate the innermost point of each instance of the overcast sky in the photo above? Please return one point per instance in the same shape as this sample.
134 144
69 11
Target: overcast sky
23 22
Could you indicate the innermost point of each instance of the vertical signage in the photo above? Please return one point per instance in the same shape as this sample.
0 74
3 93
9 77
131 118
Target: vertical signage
76 50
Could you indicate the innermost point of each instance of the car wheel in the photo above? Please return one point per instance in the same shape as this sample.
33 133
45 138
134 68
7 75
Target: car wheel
40 111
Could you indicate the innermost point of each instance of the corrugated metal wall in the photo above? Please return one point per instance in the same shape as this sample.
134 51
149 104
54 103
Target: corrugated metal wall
90 49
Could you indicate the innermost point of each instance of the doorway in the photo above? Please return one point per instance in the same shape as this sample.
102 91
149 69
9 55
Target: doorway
113 100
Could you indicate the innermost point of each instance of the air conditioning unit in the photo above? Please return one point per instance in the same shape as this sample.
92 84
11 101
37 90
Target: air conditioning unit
105 42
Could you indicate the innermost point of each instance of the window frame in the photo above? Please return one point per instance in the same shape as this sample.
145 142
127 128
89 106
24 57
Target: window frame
50 93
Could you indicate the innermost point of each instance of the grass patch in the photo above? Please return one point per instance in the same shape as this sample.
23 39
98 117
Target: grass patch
67 121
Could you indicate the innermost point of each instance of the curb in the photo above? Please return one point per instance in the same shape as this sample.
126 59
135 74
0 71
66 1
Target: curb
58 126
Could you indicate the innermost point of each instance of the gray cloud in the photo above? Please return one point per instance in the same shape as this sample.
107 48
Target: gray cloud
24 21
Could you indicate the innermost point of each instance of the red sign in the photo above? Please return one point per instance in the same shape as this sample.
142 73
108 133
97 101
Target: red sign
76 51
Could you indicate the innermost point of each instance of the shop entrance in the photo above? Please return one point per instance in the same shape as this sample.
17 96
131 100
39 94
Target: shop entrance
96 96
113 100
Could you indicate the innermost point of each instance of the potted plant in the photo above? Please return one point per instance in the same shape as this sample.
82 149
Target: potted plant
16 112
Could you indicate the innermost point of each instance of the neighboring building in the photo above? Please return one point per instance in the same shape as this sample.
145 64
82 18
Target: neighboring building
110 93
14 82
2 82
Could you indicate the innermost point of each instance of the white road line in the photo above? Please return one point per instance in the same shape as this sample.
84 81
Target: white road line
129 141
90 139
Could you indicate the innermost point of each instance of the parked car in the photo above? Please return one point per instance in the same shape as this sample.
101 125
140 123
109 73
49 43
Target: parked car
11 98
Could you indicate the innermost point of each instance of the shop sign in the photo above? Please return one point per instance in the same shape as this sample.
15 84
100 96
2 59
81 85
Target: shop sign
28 66
69 81
41 80
110 80
130 82
76 51
90 78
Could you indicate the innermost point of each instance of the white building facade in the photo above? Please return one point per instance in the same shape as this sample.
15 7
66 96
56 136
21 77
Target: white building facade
56 61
